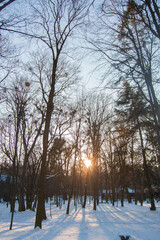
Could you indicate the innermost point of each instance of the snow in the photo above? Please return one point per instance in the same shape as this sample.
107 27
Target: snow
107 223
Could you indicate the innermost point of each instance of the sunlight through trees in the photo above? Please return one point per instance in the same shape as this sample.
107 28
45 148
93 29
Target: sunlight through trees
61 141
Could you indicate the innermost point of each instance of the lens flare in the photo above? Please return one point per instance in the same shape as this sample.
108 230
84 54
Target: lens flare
87 162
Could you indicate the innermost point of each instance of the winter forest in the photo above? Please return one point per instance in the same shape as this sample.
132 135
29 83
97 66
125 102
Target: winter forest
79 119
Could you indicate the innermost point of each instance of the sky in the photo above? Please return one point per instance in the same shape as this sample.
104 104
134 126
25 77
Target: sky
90 77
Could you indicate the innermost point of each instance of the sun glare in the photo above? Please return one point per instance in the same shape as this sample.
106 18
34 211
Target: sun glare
87 162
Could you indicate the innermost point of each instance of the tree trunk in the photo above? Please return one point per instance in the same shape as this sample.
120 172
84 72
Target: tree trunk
85 192
12 195
122 197
21 202
40 214
128 195
19 113
155 107
95 183
146 171
95 195
72 187
142 195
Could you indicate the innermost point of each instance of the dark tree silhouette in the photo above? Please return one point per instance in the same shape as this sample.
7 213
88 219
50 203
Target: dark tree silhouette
4 3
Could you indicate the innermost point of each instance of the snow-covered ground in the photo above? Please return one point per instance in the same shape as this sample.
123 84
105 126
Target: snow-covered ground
107 223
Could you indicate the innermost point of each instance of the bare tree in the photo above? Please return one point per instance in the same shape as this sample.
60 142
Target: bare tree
76 151
133 54
148 11
135 111
16 102
97 114
4 3
55 22
31 130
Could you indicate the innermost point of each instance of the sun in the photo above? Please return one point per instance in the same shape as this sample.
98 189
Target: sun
87 162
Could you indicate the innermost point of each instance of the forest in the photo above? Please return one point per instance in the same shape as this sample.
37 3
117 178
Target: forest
60 140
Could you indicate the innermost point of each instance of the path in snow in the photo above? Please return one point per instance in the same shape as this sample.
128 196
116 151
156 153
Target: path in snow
107 223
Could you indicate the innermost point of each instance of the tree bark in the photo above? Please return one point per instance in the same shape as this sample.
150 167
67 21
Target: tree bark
146 171
14 166
40 214
85 192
